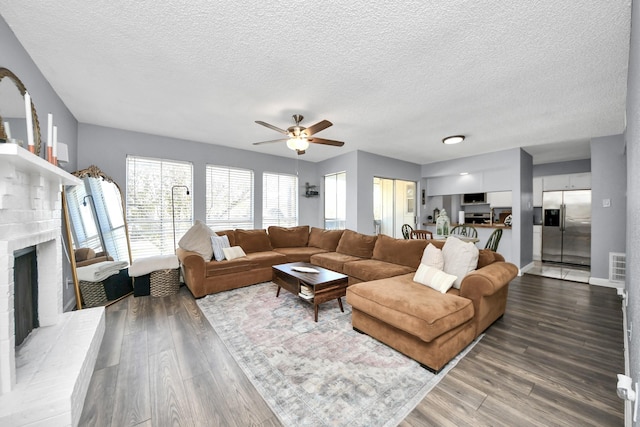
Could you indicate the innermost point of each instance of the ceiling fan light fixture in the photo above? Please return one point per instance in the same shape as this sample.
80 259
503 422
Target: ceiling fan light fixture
298 144
453 139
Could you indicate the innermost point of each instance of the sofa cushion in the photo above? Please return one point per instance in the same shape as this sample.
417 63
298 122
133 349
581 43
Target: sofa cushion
253 240
302 254
233 252
356 244
486 257
325 239
84 254
460 258
198 239
410 306
371 269
288 237
332 260
399 251
434 278
218 243
238 265
432 256
266 259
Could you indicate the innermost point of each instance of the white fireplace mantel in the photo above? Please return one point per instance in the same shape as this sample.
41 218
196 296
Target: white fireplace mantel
13 154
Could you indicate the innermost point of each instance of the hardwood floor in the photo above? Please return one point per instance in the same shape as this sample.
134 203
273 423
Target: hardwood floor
551 360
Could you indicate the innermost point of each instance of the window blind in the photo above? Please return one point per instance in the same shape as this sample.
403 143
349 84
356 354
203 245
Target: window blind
229 198
152 185
335 201
279 200
108 204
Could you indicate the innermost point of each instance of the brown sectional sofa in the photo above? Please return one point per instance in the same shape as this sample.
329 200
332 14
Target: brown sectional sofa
388 305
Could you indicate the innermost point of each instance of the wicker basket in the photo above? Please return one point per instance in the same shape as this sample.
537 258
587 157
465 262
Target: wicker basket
164 282
93 293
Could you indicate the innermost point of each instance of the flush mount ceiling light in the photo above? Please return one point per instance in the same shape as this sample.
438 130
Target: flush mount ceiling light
454 139
464 173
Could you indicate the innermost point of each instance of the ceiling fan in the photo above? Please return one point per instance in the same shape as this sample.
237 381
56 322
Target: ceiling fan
299 137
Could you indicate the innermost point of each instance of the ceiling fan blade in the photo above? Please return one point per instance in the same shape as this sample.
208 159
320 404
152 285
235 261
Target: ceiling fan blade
317 127
273 140
277 129
326 141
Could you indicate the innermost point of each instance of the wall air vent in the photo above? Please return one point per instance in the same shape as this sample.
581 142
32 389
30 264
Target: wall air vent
617 267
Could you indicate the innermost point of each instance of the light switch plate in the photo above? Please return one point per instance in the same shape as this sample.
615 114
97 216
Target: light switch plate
606 203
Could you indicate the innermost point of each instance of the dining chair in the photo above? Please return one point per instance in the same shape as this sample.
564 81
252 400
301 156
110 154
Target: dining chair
464 230
494 240
421 234
406 231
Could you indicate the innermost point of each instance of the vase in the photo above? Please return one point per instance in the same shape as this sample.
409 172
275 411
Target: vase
442 223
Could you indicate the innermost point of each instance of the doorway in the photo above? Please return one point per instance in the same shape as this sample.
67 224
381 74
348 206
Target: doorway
394 204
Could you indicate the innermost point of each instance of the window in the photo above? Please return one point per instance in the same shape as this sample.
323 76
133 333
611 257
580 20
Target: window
335 201
279 200
229 198
156 199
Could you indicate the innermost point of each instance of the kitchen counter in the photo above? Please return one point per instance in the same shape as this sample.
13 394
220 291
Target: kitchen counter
473 225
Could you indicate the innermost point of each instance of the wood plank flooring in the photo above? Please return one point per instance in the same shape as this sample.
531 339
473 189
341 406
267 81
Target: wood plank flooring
551 360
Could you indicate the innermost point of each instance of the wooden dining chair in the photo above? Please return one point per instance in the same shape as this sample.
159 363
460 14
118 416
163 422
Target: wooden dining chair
464 230
421 234
406 231
494 240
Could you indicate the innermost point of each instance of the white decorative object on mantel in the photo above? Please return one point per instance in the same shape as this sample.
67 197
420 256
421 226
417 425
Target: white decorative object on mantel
44 382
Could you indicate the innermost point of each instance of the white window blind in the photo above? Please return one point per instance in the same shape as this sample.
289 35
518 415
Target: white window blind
279 200
335 201
229 198
108 205
152 185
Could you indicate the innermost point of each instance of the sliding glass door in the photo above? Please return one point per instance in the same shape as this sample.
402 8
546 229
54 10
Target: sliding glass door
394 204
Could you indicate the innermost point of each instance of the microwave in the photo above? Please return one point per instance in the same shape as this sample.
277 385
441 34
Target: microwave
471 198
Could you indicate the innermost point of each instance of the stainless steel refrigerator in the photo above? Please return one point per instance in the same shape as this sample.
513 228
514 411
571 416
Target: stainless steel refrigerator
566 227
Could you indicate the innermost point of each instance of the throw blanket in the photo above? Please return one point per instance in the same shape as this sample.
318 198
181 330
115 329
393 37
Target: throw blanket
99 271
143 266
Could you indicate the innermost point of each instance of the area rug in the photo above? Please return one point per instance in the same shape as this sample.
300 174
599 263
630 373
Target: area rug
316 374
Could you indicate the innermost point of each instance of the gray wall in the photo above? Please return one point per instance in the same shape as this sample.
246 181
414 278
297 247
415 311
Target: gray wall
348 163
633 195
561 168
108 148
15 58
523 229
608 181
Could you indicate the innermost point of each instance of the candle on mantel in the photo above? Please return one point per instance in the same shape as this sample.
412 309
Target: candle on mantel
50 128
7 130
27 112
54 159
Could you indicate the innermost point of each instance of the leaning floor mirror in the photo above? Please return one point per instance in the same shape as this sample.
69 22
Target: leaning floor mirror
99 248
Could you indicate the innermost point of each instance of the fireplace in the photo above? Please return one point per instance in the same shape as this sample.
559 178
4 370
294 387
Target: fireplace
44 380
25 292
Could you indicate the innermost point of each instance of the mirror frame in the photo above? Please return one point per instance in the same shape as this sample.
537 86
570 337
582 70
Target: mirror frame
90 172
5 72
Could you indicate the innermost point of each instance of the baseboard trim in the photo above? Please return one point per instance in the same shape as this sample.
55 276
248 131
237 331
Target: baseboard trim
605 283
526 268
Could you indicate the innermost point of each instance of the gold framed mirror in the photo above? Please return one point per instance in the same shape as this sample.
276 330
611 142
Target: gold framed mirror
12 111
98 236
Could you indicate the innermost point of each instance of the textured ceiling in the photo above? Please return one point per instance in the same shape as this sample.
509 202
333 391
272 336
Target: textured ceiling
393 77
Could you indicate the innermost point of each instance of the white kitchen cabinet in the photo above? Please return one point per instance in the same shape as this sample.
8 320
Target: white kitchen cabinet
500 199
576 181
537 242
537 191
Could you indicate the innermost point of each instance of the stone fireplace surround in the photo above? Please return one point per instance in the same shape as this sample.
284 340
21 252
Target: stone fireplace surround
44 382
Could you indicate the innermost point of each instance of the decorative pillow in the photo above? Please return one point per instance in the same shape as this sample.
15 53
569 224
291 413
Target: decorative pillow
433 257
253 240
233 252
460 258
289 237
434 278
84 254
198 239
218 243
324 239
356 244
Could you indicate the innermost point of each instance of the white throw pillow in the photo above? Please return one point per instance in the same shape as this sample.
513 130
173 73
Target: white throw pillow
218 243
434 278
198 239
233 252
433 257
460 258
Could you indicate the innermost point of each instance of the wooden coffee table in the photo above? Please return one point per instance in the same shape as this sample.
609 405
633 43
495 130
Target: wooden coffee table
325 285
